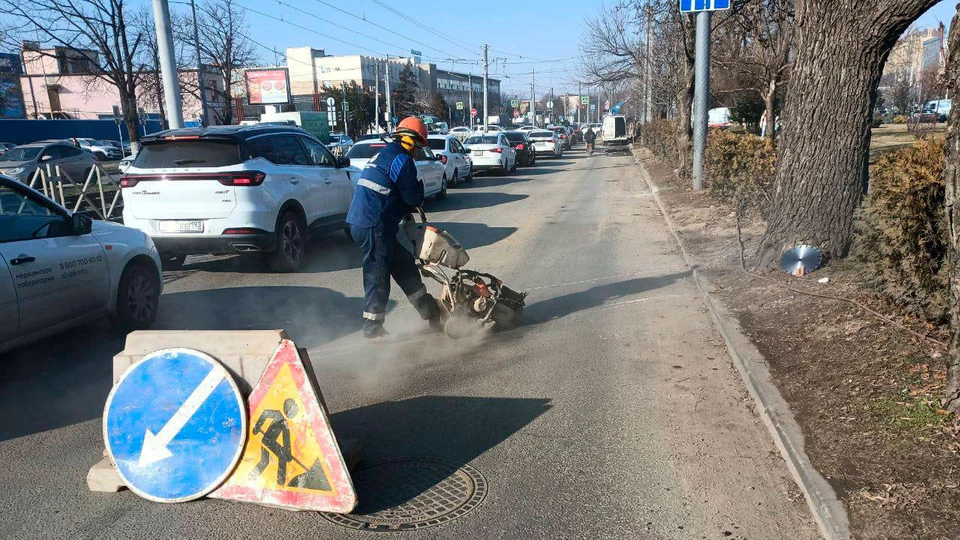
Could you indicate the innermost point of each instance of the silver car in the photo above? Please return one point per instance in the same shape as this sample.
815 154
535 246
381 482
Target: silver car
22 161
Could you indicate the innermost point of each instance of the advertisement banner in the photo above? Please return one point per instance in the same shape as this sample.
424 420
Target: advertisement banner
268 86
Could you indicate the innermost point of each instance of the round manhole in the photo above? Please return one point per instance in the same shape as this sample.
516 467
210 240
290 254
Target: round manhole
401 494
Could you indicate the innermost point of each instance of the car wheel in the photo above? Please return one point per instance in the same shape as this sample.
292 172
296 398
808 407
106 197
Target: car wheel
291 244
469 178
456 180
513 168
172 262
86 173
138 298
442 194
99 156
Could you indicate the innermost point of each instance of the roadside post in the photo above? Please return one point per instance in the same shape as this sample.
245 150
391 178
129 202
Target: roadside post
117 119
332 112
701 99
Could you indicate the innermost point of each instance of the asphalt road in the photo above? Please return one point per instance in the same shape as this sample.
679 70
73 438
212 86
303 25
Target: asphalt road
613 412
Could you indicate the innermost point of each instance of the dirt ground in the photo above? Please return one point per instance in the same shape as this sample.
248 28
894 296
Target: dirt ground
864 391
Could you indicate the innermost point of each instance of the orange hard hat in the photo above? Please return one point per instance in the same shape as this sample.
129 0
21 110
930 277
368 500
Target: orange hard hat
413 127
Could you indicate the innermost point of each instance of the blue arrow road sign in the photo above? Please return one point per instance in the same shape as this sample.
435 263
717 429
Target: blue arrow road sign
688 6
175 425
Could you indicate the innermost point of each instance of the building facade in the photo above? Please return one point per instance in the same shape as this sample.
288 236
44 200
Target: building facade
61 83
312 71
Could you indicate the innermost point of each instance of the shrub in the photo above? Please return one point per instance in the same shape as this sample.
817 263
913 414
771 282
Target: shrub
899 119
660 136
903 238
741 168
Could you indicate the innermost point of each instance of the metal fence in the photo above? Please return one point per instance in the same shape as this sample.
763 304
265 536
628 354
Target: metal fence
98 196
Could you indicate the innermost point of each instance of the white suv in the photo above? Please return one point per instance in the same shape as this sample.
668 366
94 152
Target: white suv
236 189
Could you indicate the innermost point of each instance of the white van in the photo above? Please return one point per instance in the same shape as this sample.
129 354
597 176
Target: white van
615 132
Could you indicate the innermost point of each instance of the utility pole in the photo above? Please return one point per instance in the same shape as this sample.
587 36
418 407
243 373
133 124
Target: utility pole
648 88
168 63
386 82
204 120
470 83
701 99
343 94
486 66
376 97
579 100
533 98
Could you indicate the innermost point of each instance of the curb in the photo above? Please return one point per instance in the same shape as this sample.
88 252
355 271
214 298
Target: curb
828 511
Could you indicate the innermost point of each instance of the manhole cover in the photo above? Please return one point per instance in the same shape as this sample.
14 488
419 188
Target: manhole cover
401 494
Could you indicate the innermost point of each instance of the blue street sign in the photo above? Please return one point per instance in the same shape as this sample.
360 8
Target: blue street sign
689 6
175 425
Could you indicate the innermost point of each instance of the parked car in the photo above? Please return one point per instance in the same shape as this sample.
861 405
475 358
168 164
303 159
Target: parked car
546 141
4 146
455 158
563 135
236 189
461 133
526 155
576 134
101 151
492 151
124 147
430 170
59 269
340 144
22 161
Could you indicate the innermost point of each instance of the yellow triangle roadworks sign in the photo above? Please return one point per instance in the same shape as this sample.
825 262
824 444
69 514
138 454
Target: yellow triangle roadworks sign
291 459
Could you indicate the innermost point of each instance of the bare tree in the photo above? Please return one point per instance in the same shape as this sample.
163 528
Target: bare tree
755 51
839 52
224 44
102 26
951 174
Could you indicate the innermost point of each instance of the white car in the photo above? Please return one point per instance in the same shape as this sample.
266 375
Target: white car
527 128
545 141
430 170
59 269
455 158
340 144
100 150
492 151
236 189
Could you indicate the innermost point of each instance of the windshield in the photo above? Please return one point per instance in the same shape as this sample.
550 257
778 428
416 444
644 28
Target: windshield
437 144
165 154
516 137
365 151
541 134
490 139
22 153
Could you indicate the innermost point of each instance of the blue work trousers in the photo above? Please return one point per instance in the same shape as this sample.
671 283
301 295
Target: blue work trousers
383 257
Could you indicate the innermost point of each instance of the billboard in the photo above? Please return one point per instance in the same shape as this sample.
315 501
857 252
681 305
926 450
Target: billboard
267 86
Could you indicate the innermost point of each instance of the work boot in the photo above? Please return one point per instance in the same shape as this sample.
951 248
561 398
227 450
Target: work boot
430 311
373 329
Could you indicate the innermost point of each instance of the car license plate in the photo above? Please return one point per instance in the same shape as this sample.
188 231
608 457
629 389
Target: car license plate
181 226
478 152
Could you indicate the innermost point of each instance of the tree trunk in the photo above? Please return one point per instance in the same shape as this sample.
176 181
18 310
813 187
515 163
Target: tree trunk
770 130
685 128
951 173
128 107
841 47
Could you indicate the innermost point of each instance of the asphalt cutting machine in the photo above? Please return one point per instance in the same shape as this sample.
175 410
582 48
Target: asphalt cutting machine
471 300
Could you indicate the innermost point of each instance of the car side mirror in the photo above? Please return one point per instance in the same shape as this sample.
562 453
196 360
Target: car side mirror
343 161
82 224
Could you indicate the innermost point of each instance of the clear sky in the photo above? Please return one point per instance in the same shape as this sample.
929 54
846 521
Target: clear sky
944 11
523 36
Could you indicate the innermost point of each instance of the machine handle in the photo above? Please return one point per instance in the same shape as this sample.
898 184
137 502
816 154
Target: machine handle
423 216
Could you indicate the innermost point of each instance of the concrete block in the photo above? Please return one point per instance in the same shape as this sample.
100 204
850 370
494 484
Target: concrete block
103 477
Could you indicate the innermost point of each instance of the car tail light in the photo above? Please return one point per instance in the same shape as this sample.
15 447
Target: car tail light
243 230
240 178
443 159
563 136
519 147
245 178
496 150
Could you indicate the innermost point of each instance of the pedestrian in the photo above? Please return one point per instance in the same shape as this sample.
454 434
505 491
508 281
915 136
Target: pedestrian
590 136
763 124
388 190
